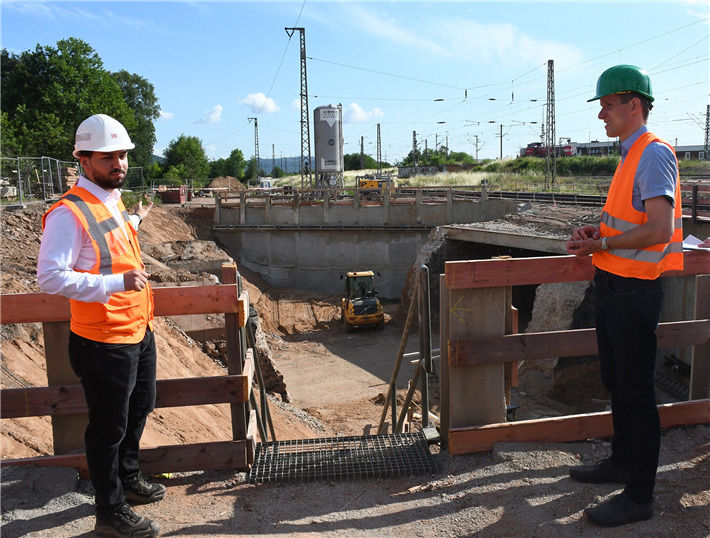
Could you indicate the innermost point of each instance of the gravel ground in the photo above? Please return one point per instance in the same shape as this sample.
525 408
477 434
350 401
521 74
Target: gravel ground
515 490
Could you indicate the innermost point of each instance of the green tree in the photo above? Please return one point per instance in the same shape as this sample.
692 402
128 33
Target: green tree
8 137
139 95
176 171
234 166
155 171
461 157
249 172
277 172
352 162
188 152
48 92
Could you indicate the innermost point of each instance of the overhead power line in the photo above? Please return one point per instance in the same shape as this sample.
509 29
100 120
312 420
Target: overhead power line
386 74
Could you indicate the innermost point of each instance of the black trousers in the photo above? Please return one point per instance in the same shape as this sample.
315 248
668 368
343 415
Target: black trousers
119 386
627 313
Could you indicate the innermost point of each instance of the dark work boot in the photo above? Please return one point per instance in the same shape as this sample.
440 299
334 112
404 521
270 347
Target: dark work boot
619 510
124 523
140 491
603 472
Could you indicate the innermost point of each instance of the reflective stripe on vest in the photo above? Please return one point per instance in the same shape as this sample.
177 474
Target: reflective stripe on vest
97 231
619 216
124 318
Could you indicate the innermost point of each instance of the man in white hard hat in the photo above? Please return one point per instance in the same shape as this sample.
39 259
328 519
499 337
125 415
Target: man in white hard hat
90 254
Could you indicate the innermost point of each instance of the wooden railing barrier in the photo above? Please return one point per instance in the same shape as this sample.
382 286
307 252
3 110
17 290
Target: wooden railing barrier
65 403
471 342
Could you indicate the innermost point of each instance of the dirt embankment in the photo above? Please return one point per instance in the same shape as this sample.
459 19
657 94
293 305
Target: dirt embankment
23 361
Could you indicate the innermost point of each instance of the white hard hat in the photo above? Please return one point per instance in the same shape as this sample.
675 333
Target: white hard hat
101 133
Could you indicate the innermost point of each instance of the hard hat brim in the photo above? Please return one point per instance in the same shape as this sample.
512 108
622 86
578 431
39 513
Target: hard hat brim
619 93
105 149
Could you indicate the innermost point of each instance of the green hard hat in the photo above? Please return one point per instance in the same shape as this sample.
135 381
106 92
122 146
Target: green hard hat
622 79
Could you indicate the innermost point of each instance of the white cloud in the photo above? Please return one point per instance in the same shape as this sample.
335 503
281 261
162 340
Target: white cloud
355 114
501 42
466 39
166 115
697 8
213 115
258 102
296 104
104 18
377 26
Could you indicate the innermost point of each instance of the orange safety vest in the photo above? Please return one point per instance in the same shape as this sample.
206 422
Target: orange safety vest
123 320
619 216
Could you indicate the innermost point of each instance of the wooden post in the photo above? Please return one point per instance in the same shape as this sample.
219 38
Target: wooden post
418 204
234 355
700 365
511 327
444 362
68 430
479 389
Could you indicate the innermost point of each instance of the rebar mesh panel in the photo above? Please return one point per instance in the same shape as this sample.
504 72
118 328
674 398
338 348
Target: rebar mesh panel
342 458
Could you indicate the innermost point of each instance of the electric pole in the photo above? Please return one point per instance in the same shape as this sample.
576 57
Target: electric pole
257 165
362 153
273 158
379 152
501 142
426 150
707 133
305 125
551 172
476 147
415 159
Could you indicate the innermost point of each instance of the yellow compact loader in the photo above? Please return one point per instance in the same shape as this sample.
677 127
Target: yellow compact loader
360 303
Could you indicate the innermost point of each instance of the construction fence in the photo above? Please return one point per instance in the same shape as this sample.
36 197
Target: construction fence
26 179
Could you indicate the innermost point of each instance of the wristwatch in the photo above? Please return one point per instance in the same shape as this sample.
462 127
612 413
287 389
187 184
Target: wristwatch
604 245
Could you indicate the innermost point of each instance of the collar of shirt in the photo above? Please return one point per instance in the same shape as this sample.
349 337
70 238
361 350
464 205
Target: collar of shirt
626 144
110 199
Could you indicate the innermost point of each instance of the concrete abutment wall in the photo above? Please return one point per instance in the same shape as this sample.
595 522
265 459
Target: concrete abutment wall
308 245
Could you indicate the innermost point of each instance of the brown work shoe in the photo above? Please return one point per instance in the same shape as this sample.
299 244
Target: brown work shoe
602 473
619 510
124 523
140 491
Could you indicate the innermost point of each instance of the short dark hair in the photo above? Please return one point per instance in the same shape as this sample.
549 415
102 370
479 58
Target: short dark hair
646 104
84 153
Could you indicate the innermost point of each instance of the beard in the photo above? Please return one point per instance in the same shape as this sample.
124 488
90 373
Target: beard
105 181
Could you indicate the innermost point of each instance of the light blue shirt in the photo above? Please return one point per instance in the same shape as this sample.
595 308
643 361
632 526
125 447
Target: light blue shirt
656 174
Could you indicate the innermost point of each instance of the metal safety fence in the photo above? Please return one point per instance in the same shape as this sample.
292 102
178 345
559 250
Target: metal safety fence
27 179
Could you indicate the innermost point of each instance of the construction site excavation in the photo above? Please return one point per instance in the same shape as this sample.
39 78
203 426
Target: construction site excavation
324 434
400 340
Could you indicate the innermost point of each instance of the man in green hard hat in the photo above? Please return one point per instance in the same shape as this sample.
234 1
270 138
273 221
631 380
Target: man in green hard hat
640 236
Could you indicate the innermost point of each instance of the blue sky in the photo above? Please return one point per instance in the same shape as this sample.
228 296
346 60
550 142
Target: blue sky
456 69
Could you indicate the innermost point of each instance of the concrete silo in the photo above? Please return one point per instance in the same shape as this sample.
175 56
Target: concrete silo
328 130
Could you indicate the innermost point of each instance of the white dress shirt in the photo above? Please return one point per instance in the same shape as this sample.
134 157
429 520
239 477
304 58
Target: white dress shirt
67 246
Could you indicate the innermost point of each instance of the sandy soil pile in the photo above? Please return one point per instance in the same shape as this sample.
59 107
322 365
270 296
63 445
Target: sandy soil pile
231 183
